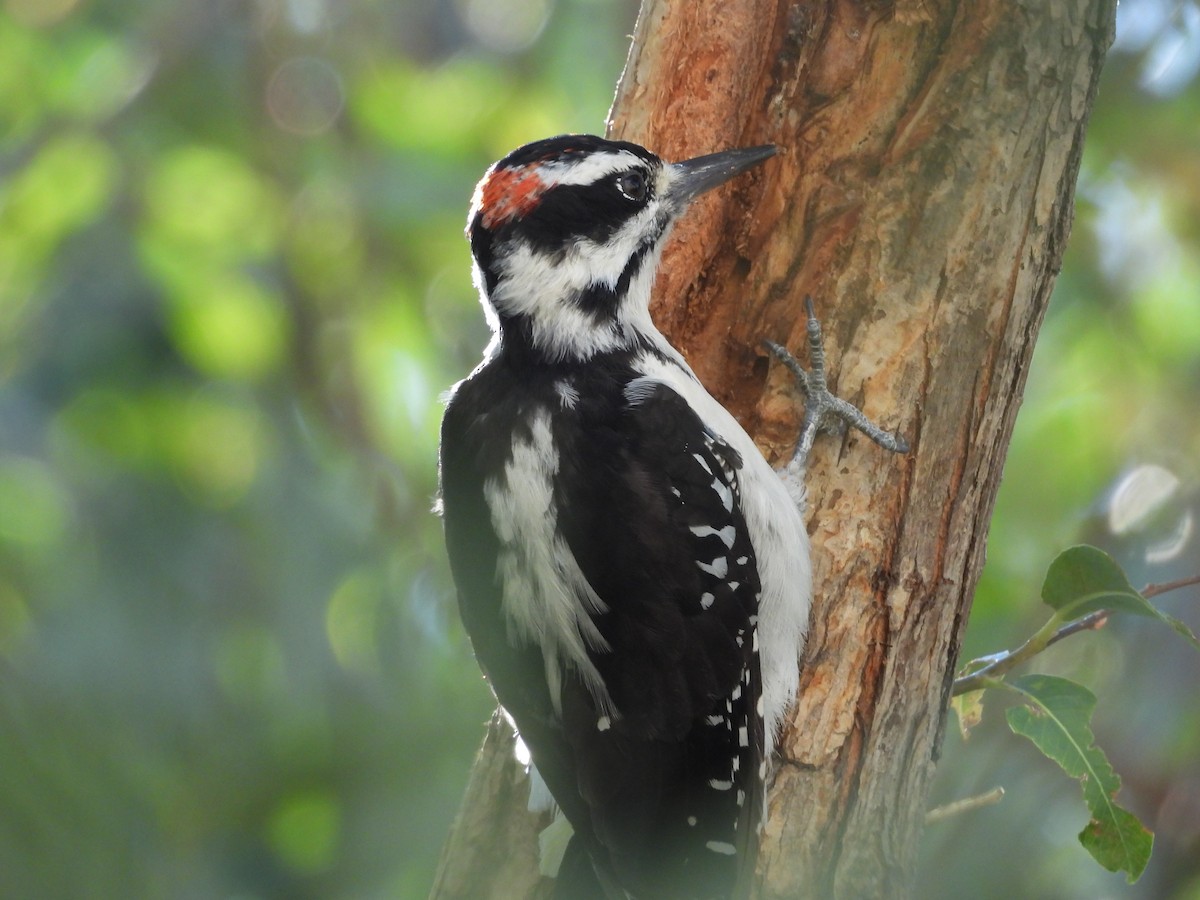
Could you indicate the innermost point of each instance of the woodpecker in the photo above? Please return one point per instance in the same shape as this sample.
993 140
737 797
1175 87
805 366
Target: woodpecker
633 575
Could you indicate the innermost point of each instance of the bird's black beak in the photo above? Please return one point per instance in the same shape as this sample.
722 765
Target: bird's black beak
693 177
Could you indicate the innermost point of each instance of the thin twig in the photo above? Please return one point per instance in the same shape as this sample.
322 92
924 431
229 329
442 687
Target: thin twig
1093 621
1153 590
1010 659
967 804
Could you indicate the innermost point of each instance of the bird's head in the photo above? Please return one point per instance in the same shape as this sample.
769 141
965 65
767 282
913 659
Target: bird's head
566 234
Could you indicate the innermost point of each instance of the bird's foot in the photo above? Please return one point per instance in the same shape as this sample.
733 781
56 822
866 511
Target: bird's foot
822 410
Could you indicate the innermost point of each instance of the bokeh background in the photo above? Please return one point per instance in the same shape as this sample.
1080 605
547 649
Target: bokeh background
233 285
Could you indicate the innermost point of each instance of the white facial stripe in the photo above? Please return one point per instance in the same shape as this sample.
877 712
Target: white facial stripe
589 169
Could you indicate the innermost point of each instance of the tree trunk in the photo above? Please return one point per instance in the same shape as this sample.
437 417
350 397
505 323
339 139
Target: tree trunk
922 196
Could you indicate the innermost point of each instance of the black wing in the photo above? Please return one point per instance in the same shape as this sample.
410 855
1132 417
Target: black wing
662 539
666 795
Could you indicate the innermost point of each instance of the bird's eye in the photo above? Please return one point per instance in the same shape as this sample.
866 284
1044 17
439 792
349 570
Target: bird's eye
632 185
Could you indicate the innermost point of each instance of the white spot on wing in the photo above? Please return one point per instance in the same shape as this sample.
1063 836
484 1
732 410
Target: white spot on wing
725 492
718 785
706 600
718 568
727 534
722 847
605 722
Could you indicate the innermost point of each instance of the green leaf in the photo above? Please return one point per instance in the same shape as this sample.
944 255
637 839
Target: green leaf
1084 579
66 186
1056 717
1121 843
1179 628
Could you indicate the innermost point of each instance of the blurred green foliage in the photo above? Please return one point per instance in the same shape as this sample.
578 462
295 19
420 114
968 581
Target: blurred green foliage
232 286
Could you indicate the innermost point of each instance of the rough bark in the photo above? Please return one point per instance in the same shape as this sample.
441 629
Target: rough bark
492 851
922 196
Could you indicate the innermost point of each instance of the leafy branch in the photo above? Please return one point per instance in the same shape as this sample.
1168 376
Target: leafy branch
1083 586
1106 580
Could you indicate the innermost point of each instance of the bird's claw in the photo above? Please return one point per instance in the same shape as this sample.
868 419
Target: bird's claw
822 410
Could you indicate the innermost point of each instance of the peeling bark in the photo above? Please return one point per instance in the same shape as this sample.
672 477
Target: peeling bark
922 196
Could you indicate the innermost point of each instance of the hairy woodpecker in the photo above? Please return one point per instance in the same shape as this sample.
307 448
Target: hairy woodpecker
633 575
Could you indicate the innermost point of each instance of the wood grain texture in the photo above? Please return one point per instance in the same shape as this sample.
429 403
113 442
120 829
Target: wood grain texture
922 196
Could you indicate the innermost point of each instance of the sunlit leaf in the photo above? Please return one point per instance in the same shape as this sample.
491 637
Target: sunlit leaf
93 74
1056 717
1167 313
64 187
215 445
325 247
230 327
350 621
304 831
109 425
205 199
436 110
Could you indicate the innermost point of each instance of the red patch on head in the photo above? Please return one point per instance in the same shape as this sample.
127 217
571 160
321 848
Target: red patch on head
507 194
